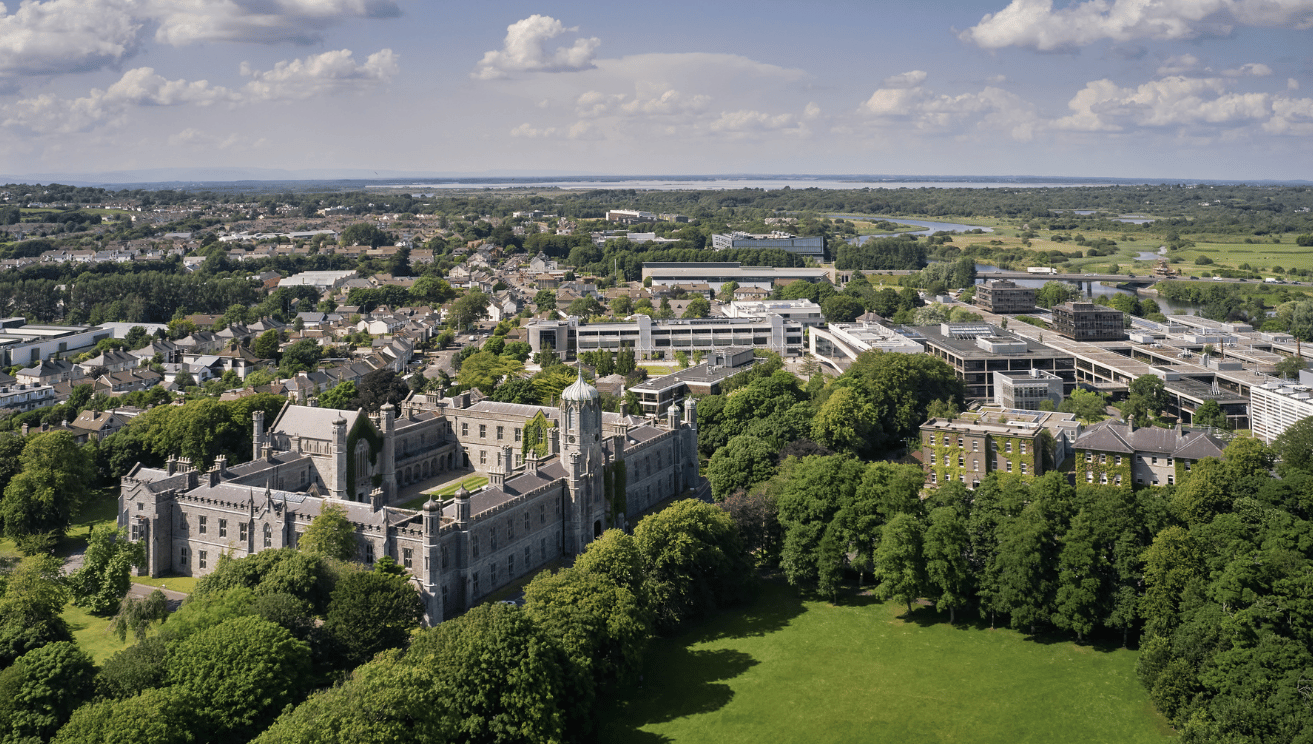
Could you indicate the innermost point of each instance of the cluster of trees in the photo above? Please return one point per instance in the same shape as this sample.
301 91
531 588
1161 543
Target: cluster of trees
870 410
898 253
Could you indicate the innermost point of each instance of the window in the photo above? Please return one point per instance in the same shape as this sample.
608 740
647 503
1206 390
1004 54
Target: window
1089 457
1155 481
474 589
933 477
201 528
526 521
932 458
542 547
959 440
407 557
182 524
136 532
1118 459
492 574
464 429
1103 459
1169 461
1023 468
975 445
1007 447
200 561
1187 465
182 557
1103 478
474 548
268 536
1009 466
1155 461
1023 447
1089 476
961 461
483 457
367 553
1171 480
223 528
510 566
444 556
500 430
483 431
542 514
510 529
241 532
517 433
528 556
492 538
975 465
140 506
1118 480
946 440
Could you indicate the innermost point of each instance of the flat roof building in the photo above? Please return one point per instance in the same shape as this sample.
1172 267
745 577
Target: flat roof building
1086 321
648 336
804 311
977 443
839 344
657 395
1280 404
1005 296
813 247
718 273
1027 390
976 350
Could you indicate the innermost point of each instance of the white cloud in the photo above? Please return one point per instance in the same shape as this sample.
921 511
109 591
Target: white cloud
184 22
523 50
906 79
1292 84
1253 69
742 123
990 109
330 72
1203 104
200 140
1034 24
529 131
1179 65
59 36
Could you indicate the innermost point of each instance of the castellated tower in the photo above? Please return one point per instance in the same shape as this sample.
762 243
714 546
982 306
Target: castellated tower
583 458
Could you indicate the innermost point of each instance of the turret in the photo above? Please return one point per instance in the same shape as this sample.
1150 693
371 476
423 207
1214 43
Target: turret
257 434
462 501
339 486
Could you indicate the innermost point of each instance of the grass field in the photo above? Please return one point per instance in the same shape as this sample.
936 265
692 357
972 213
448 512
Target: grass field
94 634
787 670
471 483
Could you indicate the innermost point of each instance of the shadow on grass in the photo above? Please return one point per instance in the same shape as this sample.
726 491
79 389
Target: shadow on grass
770 609
679 682
968 618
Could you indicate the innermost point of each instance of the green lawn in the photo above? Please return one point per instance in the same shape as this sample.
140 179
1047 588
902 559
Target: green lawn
786 670
94 634
184 584
471 483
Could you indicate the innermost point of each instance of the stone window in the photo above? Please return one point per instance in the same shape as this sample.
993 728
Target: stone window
200 560
241 532
201 523
464 429
542 514
500 432
182 524
268 536
510 529
528 556
492 538
517 433
542 546
492 575
223 528
444 556
483 457
483 431
407 557
140 506
526 522
474 591
510 565
1009 466
474 547
975 445
183 557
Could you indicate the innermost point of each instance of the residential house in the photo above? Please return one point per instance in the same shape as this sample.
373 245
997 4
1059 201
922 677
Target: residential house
1117 453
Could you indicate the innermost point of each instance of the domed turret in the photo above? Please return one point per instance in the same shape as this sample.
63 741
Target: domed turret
580 391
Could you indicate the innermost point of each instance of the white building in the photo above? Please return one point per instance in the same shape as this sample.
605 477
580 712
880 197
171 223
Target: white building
1275 406
322 280
804 311
839 344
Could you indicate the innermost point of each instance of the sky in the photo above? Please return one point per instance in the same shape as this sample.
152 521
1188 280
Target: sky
1172 89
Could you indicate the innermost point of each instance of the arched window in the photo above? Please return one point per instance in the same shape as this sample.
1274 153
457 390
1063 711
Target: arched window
268 536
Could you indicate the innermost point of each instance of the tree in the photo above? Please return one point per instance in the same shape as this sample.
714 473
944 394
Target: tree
1210 414
698 307
624 361
1289 367
945 547
602 625
517 390
430 290
266 344
363 234
238 675
371 611
726 293
485 370
945 409
1089 406
842 308
42 689
340 397
899 388
585 307
379 388
301 356
757 519
622 306
468 310
1294 448
844 421
898 561
106 572
693 559
330 534
741 464
545 300
52 483
34 596
155 716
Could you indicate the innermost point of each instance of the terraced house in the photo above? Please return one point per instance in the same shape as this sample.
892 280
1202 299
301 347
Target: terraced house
1117 453
968 448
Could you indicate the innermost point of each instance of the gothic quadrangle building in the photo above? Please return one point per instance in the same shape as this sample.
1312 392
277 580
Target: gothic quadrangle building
557 478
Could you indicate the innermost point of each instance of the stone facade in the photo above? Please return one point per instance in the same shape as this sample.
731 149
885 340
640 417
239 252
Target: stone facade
557 478
1116 453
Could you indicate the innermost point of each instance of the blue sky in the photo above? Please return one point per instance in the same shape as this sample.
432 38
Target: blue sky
1217 89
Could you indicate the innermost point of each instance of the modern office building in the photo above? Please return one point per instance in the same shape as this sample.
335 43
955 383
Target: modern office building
647 336
657 395
804 311
1027 390
718 273
812 247
1086 321
977 350
839 344
1005 296
1278 405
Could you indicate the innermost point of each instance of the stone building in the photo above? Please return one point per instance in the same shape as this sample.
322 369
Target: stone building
977 443
1116 453
557 478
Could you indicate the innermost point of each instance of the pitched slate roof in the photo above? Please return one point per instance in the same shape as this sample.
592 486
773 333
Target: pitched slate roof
1118 436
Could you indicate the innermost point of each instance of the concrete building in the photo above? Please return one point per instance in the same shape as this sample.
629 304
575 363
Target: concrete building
664 337
321 280
1086 321
839 344
1005 296
976 350
1116 453
1026 390
812 247
657 395
717 274
557 499
1278 405
21 343
804 311
977 443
